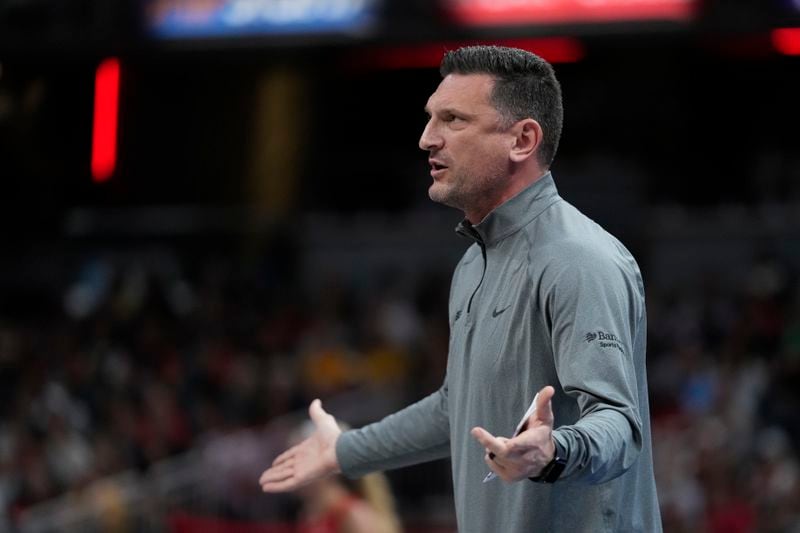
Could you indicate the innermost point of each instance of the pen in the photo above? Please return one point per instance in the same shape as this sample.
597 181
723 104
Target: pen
520 428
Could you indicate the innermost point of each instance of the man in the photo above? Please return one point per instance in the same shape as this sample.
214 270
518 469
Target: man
544 300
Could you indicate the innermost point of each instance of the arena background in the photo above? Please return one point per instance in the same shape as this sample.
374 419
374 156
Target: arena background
249 228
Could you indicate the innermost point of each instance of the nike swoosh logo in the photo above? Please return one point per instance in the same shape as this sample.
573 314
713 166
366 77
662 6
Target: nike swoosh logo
497 313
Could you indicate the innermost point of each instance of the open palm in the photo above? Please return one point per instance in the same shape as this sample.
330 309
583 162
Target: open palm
525 454
312 459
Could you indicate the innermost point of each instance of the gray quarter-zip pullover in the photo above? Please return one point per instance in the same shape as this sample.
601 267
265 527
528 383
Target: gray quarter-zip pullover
544 296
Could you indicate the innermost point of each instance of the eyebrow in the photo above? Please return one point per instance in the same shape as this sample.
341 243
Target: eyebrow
452 111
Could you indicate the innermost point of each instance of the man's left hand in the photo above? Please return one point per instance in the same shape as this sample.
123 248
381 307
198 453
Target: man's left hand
525 455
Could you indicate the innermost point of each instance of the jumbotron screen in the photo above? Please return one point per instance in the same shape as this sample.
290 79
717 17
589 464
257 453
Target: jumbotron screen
199 19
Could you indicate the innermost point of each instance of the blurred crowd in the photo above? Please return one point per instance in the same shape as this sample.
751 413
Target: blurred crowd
134 362
724 369
128 362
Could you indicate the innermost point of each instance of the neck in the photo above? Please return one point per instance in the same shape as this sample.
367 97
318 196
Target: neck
513 187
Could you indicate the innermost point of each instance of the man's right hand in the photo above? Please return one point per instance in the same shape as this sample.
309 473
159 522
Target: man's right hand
312 459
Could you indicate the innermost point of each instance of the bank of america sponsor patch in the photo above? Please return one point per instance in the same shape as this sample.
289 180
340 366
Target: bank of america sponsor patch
606 340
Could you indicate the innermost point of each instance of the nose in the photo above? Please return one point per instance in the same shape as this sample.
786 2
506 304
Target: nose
430 139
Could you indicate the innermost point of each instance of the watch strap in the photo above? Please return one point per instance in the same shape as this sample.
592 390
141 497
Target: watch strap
552 470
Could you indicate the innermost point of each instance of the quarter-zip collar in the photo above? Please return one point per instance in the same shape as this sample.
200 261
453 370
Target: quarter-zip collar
512 215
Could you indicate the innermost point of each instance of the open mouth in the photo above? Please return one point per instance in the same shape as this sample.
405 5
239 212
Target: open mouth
437 168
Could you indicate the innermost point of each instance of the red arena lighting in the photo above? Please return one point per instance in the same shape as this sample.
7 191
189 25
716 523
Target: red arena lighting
787 41
106 111
504 12
553 49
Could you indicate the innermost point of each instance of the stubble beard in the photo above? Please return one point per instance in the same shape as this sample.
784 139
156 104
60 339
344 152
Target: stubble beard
465 193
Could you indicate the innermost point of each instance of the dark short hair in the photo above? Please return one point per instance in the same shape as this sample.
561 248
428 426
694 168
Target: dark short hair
525 86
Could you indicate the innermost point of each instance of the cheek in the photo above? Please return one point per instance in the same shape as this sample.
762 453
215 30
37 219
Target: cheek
483 151
474 149
485 154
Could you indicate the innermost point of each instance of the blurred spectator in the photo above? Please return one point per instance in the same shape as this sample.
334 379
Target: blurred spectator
337 505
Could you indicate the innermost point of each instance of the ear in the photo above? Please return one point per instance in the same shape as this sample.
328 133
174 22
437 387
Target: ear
527 138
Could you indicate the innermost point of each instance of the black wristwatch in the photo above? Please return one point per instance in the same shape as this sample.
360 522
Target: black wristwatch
552 470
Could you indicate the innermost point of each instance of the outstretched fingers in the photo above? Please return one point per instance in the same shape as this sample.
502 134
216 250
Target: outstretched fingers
279 477
494 445
282 467
285 456
277 474
281 485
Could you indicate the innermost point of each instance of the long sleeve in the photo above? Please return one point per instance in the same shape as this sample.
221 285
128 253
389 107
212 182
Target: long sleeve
416 434
595 309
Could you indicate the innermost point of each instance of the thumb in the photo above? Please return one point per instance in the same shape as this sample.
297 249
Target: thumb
544 407
317 413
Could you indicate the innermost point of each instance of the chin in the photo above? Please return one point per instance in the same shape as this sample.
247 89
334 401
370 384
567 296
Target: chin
438 191
441 195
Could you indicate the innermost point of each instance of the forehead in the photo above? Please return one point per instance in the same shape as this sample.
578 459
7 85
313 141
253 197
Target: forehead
463 91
